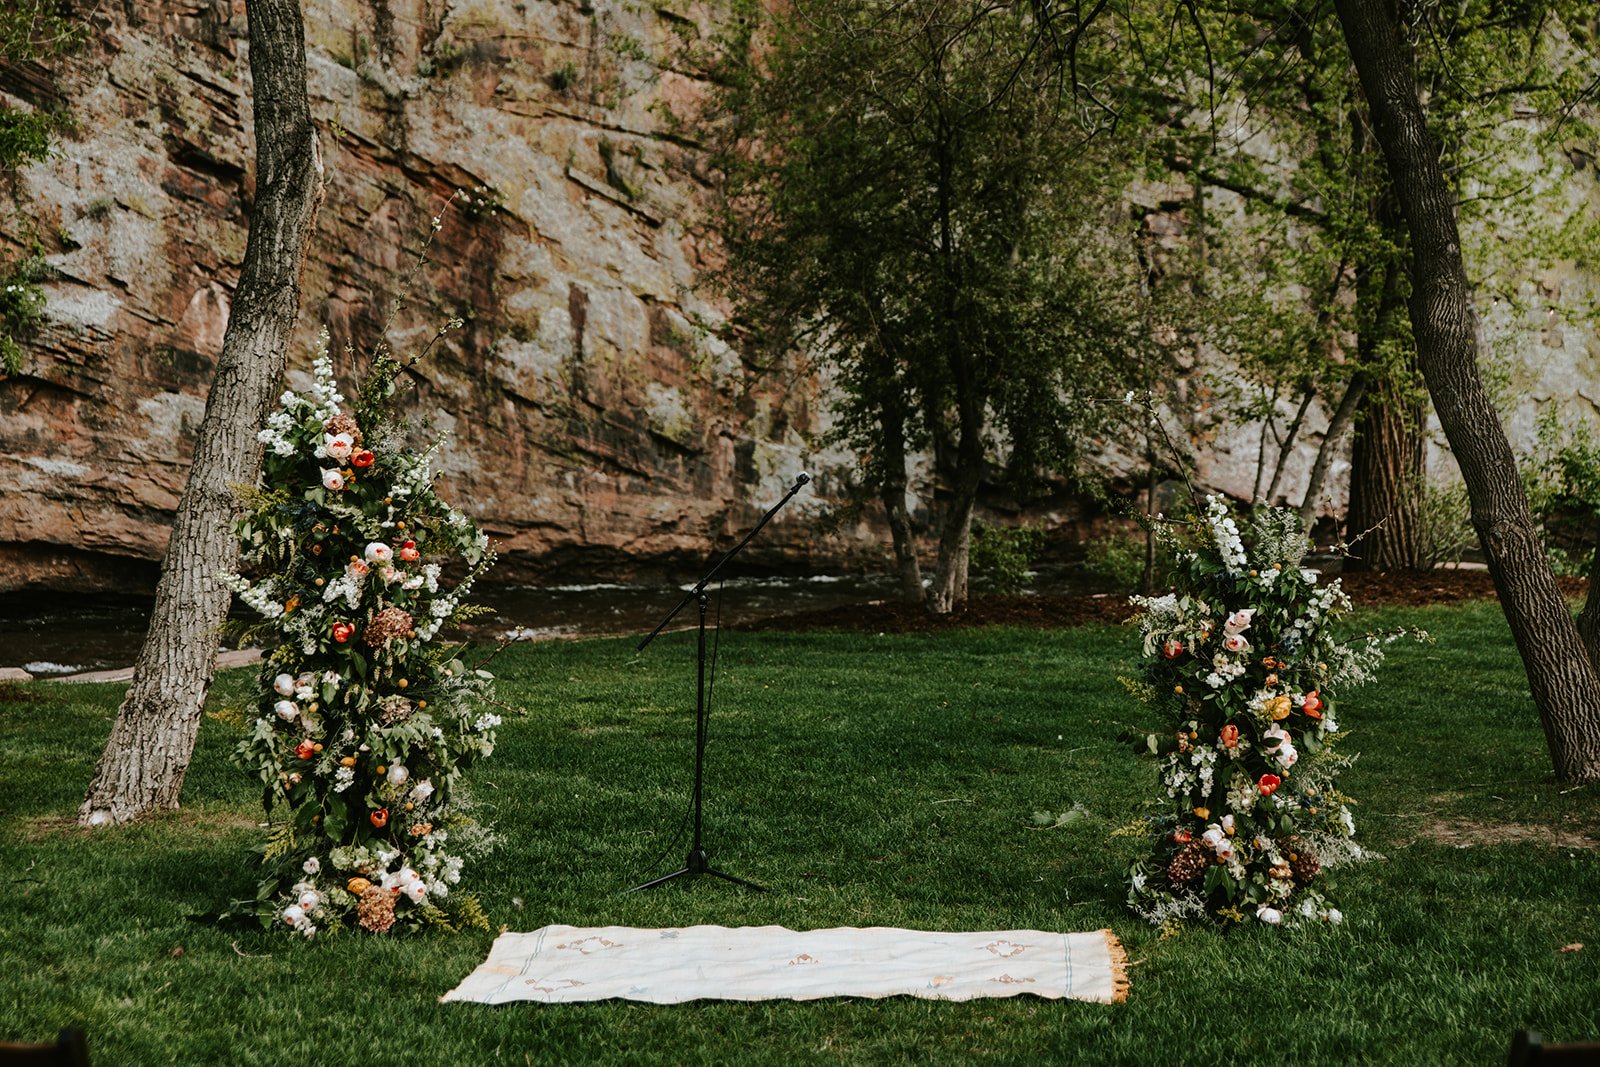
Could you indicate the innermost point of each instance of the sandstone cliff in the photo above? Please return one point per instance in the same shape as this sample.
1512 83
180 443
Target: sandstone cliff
594 422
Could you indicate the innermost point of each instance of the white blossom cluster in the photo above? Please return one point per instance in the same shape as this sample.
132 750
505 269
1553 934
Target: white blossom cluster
1230 546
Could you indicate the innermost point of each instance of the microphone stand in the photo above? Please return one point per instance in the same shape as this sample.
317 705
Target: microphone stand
699 862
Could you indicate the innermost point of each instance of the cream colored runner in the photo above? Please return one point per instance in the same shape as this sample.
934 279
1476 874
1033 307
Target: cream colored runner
561 964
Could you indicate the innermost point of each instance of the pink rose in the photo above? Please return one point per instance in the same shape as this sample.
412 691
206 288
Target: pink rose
1236 643
338 445
378 552
332 479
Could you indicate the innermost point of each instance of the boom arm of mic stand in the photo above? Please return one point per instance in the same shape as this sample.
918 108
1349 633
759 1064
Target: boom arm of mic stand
700 586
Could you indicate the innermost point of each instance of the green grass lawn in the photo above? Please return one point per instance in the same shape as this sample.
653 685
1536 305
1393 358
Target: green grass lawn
867 781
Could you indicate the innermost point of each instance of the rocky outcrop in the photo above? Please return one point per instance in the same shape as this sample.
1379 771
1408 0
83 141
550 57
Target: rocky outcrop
595 421
597 424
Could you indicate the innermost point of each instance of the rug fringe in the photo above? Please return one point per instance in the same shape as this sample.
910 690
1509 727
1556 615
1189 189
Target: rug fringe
1119 967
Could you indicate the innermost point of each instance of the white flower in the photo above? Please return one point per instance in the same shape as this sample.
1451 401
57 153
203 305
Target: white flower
422 791
1334 916
312 865
294 915
1236 643
1270 916
1286 755
397 774
284 685
378 552
1214 838
1227 824
1347 821
286 709
1239 621
310 900
332 479
338 445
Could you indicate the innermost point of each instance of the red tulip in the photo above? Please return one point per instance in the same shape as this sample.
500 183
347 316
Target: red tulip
380 818
1268 784
408 552
1173 648
343 631
362 458
304 750
1230 736
1182 837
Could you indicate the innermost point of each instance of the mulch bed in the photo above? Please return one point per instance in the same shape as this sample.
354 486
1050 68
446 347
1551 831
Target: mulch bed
1405 588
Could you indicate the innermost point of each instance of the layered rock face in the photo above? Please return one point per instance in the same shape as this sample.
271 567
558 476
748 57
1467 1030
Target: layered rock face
594 422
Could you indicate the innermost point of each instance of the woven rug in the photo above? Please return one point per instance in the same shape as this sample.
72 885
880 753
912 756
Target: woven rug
563 964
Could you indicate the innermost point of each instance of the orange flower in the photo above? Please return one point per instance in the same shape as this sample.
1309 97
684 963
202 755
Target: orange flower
290 604
343 631
1313 705
1230 736
1279 707
380 818
1268 784
362 458
358 885
304 750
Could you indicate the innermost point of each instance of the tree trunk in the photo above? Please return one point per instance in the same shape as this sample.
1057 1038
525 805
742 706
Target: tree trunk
1331 440
1387 465
1389 458
1564 685
144 762
893 494
1589 617
949 590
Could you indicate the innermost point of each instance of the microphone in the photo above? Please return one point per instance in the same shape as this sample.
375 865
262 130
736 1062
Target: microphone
802 478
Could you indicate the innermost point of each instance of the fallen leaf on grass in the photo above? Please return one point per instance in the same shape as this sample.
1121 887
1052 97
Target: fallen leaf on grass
1576 946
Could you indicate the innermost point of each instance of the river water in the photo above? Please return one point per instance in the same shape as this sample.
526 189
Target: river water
56 635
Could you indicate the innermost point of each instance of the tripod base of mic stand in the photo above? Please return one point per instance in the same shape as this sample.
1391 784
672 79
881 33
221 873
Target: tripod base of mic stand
698 863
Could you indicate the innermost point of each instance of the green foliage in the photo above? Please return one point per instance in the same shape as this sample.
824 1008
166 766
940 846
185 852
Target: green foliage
1562 480
1116 559
914 193
21 307
1002 556
1444 520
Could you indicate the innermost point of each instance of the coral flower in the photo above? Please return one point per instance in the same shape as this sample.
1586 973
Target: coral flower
362 458
304 750
343 631
1268 784
380 818
1313 705
408 552
1173 648
1230 736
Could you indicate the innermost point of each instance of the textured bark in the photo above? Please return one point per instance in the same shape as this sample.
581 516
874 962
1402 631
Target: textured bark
1332 438
1389 458
893 495
1387 464
143 766
949 591
1564 685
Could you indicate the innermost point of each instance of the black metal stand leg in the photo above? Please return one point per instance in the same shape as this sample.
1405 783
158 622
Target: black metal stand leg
699 862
